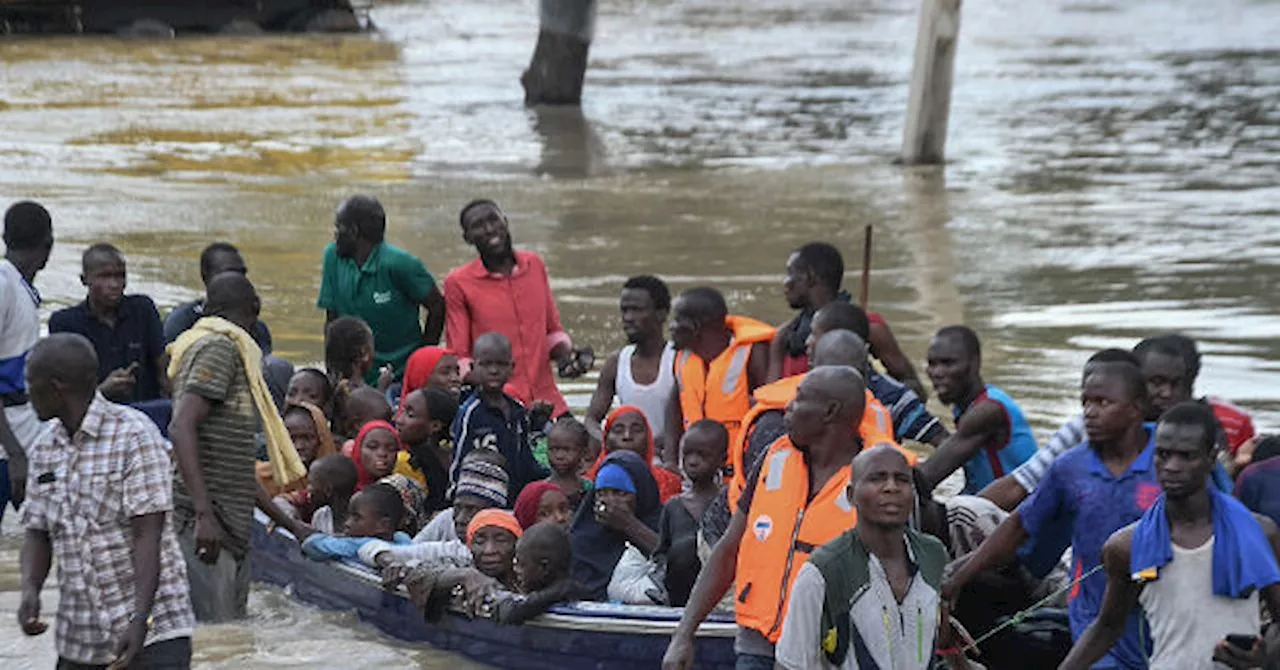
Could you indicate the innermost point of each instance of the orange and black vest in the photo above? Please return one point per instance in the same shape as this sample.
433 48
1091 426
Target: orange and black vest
876 428
720 390
783 528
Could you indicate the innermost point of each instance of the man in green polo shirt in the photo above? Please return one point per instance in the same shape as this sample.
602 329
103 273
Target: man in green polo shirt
366 277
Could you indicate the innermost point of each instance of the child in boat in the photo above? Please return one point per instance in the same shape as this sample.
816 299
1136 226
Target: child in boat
309 432
627 429
311 385
373 514
348 352
423 421
567 445
616 530
434 368
491 419
543 502
703 451
360 407
331 481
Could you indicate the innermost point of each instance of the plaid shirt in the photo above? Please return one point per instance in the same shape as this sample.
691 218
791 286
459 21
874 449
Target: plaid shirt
84 491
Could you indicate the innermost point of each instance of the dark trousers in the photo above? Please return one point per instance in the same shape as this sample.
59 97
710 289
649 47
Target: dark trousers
172 654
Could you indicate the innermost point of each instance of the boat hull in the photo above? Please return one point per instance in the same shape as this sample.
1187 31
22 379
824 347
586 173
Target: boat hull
578 637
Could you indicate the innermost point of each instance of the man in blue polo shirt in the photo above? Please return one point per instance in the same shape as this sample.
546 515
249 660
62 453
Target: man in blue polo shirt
1095 490
28 239
125 329
384 285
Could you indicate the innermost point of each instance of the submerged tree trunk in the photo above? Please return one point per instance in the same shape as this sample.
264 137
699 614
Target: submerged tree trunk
559 61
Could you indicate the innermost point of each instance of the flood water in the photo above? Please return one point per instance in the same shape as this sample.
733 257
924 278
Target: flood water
1113 173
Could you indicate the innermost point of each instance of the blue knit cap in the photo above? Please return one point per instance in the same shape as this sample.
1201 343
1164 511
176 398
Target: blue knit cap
614 476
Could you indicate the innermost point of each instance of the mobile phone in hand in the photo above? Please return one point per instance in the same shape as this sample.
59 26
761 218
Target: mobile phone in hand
1242 642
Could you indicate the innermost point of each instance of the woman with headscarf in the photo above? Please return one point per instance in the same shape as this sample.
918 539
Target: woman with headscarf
623 509
308 430
374 452
432 367
424 420
542 501
626 429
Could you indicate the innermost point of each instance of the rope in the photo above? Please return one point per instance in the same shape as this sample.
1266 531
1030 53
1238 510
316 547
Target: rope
1021 616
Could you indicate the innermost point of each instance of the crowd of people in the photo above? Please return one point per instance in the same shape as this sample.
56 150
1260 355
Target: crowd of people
722 464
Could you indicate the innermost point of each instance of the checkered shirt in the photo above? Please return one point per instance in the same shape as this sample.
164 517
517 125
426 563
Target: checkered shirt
84 491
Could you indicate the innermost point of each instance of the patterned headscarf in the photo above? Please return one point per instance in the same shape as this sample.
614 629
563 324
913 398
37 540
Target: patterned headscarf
415 500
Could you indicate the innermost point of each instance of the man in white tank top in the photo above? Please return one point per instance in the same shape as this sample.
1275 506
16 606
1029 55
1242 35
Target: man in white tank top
642 373
1212 561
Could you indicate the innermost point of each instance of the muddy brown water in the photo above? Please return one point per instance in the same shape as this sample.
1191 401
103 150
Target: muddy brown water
1113 173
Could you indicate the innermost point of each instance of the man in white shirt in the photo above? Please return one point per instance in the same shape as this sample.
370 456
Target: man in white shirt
641 374
28 239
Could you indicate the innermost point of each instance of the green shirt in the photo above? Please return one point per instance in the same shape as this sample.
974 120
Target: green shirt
386 292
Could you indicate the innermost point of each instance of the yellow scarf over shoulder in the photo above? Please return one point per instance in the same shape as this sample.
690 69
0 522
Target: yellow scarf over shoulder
286 467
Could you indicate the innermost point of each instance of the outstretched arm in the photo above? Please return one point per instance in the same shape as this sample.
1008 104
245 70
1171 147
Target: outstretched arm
1119 599
976 429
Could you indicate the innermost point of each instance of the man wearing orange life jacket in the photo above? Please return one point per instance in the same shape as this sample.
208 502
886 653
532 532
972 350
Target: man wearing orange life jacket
838 347
720 360
795 502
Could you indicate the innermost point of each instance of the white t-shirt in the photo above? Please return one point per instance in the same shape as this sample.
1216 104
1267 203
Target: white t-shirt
19 332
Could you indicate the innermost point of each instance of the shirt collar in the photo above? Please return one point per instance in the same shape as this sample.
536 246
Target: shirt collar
1143 463
91 425
371 263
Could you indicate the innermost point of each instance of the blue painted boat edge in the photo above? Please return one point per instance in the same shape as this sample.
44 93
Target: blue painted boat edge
564 641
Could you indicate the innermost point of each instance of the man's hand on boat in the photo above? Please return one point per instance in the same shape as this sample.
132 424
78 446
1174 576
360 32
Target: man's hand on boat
679 654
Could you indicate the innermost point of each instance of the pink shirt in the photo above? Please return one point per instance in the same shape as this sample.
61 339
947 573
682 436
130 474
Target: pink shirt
519 306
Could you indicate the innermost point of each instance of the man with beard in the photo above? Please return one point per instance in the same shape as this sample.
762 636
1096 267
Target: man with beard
795 502
366 277
640 374
507 291
125 329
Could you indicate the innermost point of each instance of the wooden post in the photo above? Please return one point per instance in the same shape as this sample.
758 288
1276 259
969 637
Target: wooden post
559 61
924 139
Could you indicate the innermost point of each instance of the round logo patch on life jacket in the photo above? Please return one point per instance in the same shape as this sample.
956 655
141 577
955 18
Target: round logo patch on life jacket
762 527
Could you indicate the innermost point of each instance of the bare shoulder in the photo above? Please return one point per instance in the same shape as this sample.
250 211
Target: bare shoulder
1117 549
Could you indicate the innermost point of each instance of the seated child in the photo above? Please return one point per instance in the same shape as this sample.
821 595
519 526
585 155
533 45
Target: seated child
566 447
423 421
309 432
491 419
373 514
703 451
615 532
433 367
310 385
358 408
627 429
374 452
414 499
516 577
331 482
542 502
349 353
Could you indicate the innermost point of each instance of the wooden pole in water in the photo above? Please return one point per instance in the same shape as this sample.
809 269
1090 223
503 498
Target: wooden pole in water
865 294
559 62
924 138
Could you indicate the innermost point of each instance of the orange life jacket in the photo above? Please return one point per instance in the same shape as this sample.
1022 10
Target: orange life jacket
783 528
720 390
876 428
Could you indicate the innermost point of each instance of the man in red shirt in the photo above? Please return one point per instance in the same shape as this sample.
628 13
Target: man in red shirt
507 291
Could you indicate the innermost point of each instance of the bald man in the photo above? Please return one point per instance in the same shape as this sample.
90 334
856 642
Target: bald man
101 478
888 573
795 502
213 426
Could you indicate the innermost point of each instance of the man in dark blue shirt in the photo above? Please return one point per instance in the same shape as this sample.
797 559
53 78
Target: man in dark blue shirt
124 329
216 258
1092 490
